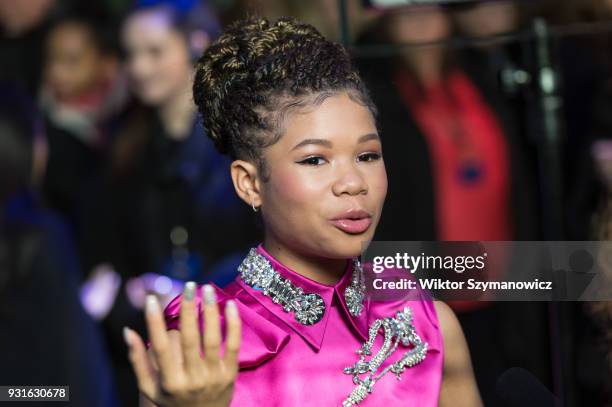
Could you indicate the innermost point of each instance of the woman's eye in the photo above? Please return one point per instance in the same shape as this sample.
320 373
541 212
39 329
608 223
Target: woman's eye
312 161
369 157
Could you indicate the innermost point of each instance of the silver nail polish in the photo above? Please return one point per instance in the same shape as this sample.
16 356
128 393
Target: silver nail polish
232 310
152 304
209 294
189 291
126 336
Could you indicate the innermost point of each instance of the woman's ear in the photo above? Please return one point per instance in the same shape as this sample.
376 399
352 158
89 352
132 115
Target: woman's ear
246 182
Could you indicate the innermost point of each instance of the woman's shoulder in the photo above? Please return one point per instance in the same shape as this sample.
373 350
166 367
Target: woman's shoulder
449 325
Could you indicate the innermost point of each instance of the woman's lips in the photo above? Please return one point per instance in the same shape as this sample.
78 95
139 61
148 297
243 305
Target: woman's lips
352 226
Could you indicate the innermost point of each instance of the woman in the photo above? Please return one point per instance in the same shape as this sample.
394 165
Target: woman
39 272
451 125
83 90
164 182
290 109
459 170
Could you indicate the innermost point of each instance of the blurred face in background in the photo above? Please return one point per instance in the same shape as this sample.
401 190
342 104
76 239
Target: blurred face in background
74 63
18 16
421 25
489 18
158 60
417 25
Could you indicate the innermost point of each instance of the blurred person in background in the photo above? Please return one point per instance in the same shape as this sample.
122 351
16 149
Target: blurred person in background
46 336
165 211
82 92
600 331
325 15
463 135
322 14
23 25
582 57
594 362
457 172
584 50
487 19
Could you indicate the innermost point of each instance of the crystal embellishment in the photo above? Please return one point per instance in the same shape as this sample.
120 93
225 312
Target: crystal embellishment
355 293
398 329
308 308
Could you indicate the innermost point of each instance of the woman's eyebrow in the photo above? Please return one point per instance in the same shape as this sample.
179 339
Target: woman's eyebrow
329 144
318 141
368 137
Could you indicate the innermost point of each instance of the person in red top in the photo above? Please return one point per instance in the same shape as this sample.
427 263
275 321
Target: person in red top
458 171
469 156
465 143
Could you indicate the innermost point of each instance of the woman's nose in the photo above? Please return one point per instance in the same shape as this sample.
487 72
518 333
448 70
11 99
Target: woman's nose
350 181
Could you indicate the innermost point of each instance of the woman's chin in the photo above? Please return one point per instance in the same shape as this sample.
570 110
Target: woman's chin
348 247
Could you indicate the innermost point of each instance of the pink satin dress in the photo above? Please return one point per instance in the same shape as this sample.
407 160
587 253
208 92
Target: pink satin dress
285 363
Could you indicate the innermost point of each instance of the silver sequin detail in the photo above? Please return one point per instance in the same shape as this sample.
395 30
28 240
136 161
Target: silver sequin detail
308 308
396 330
355 293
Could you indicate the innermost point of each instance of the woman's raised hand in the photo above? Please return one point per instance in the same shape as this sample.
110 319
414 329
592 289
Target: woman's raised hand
175 374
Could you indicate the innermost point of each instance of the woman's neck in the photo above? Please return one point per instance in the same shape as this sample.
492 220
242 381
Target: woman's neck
177 113
428 65
322 270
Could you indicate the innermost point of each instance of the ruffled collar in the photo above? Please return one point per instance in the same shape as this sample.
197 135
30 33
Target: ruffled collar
312 334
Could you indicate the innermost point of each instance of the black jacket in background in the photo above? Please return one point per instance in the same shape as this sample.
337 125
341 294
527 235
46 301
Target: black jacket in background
46 338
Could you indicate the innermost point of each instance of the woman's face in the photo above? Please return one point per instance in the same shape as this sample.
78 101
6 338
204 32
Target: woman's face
158 59
419 25
327 180
488 19
73 63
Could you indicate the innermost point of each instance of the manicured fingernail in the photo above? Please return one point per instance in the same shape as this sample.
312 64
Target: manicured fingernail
209 294
126 336
189 291
231 309
152 304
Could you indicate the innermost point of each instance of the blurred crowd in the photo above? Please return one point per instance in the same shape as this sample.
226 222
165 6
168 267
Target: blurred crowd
109 189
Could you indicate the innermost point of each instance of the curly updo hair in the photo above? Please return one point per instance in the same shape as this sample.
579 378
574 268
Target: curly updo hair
257 72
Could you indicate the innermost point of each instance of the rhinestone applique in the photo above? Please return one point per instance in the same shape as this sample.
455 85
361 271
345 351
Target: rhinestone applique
308 308
396 329
355 293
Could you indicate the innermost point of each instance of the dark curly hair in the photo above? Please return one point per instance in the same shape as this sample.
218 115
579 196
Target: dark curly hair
258 71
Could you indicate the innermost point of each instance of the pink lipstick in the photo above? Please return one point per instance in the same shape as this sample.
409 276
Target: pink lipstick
353 221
